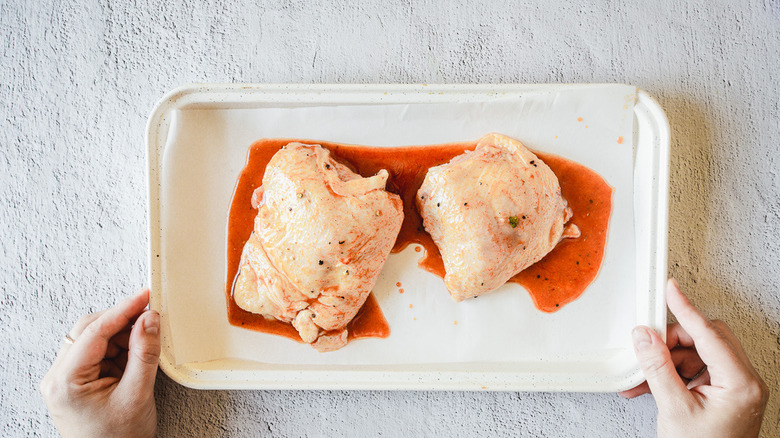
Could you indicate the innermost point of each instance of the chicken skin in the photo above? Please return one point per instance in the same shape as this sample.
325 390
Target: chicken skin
321 236
492 212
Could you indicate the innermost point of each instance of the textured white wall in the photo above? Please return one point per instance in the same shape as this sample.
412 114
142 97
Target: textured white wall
78 79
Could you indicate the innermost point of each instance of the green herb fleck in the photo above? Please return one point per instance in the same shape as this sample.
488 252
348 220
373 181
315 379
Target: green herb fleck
513 221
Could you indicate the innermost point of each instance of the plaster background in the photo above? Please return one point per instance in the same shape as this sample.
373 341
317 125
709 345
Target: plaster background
79 78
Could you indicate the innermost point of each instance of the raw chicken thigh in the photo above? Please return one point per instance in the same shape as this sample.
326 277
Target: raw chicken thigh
321 236
492 212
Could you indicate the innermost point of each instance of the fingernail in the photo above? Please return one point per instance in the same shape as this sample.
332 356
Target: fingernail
642 340
138 293
152 323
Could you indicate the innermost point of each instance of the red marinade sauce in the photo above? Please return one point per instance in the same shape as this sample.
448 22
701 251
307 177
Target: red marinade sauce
564 273
559 278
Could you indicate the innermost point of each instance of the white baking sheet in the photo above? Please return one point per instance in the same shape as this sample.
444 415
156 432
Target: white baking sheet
206 149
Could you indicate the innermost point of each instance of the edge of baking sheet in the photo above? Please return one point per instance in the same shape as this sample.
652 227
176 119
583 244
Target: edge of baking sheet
589 374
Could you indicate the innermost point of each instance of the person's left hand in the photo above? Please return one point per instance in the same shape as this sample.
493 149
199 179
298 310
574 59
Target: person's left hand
103 384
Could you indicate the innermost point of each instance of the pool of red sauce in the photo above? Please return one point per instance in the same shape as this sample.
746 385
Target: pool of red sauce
557 279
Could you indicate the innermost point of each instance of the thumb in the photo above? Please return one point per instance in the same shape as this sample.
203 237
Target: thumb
656 364
143 353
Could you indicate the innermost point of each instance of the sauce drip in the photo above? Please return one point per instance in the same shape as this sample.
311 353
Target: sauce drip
557 279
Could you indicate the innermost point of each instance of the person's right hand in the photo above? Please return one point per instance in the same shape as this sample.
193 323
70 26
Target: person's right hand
727 399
